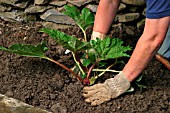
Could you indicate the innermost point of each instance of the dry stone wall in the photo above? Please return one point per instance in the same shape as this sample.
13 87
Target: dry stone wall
50 11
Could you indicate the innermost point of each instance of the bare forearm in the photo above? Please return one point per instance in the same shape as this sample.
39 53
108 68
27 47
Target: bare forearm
105 14
148 44
140 58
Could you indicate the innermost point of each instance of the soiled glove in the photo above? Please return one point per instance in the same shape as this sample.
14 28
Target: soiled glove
111 88
97 35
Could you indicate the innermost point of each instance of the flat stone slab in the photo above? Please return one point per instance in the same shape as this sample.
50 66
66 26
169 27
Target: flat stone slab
10 105
52 15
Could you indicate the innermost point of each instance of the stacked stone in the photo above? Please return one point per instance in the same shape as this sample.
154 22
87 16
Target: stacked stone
50 11
10 105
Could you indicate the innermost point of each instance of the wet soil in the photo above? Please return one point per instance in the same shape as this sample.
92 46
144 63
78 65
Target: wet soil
44 84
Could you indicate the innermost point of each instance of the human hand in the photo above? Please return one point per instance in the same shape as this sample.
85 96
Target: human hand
102 92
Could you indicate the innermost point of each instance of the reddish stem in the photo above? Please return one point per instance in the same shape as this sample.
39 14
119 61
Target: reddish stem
63 66
90 70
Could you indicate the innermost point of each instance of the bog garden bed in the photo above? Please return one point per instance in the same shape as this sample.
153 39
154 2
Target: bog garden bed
41 83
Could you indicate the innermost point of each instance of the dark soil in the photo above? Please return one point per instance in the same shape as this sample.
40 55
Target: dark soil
43 84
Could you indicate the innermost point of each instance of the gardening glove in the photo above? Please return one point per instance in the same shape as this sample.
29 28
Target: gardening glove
97 35
102 92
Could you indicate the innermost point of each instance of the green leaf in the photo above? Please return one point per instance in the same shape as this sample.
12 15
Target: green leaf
92 80
141 86
102 64
83 19
86 62
92 55
139 78
87 18
110 48
69 42
27 50
72 12
3 48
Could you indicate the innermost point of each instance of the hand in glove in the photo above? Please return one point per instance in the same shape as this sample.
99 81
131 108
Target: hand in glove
97 35
102 92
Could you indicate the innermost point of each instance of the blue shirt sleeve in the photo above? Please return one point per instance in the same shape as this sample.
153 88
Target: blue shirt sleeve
157 8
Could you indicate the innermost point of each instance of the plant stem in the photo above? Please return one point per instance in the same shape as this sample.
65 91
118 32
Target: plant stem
84 32
106 70
78 64
91 68
63 66
85 38
81 65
